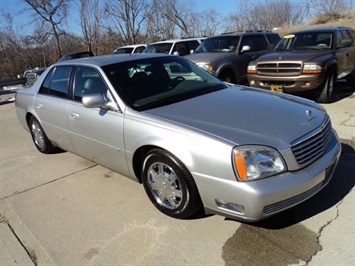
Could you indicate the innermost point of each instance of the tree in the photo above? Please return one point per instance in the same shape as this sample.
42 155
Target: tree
90 23
128 17
50 13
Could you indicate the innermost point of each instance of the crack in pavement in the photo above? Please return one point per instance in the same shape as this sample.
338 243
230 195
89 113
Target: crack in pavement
49 182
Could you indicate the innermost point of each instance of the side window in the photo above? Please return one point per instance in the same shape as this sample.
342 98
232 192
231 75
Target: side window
339 38
180 48
46 83
88 81
273 38
192 45
139 49
247 40
56 82
260 43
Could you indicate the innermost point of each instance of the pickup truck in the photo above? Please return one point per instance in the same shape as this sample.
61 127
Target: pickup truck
310 59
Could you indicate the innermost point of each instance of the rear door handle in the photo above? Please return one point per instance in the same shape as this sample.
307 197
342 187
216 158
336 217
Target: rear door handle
74 116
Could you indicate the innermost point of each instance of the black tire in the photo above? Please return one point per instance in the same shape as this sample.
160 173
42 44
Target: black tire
227 76
39 137
350 80
169 185
325 92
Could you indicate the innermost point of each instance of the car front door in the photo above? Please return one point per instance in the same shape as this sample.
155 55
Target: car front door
258 46
97 133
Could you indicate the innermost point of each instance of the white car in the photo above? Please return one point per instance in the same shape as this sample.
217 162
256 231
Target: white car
130 49
180 47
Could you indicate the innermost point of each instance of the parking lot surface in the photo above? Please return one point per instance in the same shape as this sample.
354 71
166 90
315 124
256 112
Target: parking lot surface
61 209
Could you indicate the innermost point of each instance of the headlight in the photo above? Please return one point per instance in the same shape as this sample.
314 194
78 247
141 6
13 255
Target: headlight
255 162
312 69
205 66
251 69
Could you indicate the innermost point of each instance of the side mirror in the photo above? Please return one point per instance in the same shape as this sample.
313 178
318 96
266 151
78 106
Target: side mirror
192 51
245 48
97 100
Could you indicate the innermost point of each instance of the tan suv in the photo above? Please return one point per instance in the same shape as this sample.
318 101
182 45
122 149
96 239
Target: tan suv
311 59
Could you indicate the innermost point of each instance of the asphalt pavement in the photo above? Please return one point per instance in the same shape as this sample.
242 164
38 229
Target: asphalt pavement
61 209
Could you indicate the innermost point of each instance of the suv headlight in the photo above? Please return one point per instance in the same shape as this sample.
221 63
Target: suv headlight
312 69
205 66
251 69
255 162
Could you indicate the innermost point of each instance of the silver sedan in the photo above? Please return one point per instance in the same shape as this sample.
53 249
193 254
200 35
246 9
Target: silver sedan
191 140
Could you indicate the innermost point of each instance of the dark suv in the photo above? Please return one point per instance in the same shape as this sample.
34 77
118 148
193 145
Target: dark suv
311 59
229 54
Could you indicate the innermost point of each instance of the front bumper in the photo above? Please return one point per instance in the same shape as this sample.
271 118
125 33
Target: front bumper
257 200
289 84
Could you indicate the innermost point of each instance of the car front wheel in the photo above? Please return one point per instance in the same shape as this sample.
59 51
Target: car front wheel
39 137
169 185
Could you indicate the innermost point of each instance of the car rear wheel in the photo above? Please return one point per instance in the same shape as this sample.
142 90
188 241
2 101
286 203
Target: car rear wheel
325 91
169 185
39 137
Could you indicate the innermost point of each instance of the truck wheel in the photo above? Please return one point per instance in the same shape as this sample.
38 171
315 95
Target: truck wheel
350 80
227 76
325 92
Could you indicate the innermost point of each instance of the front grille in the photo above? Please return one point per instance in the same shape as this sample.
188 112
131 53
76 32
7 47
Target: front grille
310 147
279 68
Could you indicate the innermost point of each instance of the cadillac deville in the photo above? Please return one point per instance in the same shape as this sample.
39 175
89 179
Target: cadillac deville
191 140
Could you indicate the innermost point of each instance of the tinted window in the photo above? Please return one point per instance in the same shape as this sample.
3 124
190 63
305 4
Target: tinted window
57 82
47 82
139 49
260 43
273 38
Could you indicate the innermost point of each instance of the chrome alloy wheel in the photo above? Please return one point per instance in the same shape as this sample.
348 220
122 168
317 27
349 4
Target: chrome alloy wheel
165 185
37 133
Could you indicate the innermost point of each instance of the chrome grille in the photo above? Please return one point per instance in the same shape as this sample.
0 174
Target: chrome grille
312 146
279 68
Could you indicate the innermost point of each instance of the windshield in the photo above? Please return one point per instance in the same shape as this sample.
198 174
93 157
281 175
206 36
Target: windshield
306 41
218 44
162 48
154 82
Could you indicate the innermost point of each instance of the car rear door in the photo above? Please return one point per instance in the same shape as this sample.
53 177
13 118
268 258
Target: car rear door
96 133
50 105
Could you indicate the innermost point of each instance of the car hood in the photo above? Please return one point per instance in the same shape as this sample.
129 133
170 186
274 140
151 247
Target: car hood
207 57
243 115
296 55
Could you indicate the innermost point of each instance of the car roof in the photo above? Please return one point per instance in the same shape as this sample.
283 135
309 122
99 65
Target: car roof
246 32
180 40
111 59
320 29
131 46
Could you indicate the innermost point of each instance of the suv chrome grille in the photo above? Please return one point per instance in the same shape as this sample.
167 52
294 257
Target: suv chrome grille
279 68
312 146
